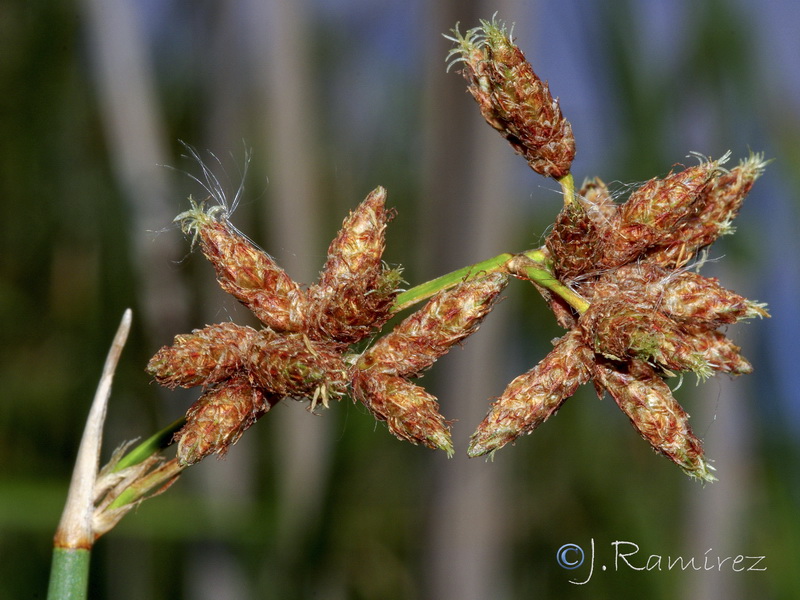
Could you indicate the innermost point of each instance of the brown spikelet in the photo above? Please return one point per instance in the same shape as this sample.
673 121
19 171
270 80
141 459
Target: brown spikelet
620 332
653 212
596 198
720 203
576 242
530 399
654 413
411 413
664 203
639 285
447 319
246 272
719 352
203 357
356 250
701 301
355 291
513 99
293 365
219 418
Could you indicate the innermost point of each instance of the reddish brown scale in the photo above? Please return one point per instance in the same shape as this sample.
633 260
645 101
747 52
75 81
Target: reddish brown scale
719 352
203 357
665 203
577 241
652 212
447 319
293 365
518 104
219 417
410 412
720 204
251 276
677 254
625 243
702 302
647 401
532 398
637 285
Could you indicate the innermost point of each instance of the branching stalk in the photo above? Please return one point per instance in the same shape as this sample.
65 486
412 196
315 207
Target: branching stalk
532 265
567 183
425 290
540 271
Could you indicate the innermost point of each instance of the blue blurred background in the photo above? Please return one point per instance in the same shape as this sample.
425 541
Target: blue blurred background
336 97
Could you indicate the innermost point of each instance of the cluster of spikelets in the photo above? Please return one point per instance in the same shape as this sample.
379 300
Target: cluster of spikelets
646 316
615 276
303 349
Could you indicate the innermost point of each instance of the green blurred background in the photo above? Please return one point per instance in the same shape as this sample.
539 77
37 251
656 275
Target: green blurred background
334 98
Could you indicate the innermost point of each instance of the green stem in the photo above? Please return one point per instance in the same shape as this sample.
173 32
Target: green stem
429 288
540 272
568 188
537 269
69 574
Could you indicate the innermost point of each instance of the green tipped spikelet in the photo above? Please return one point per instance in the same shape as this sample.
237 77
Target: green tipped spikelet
356 290
655 414
410 412
532 398
219 417
513 99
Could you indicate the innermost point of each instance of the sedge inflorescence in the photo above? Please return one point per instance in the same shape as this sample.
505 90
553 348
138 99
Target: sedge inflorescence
642 315
304 349
618 276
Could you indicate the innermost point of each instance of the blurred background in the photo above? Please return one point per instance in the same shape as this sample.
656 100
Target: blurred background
335 97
